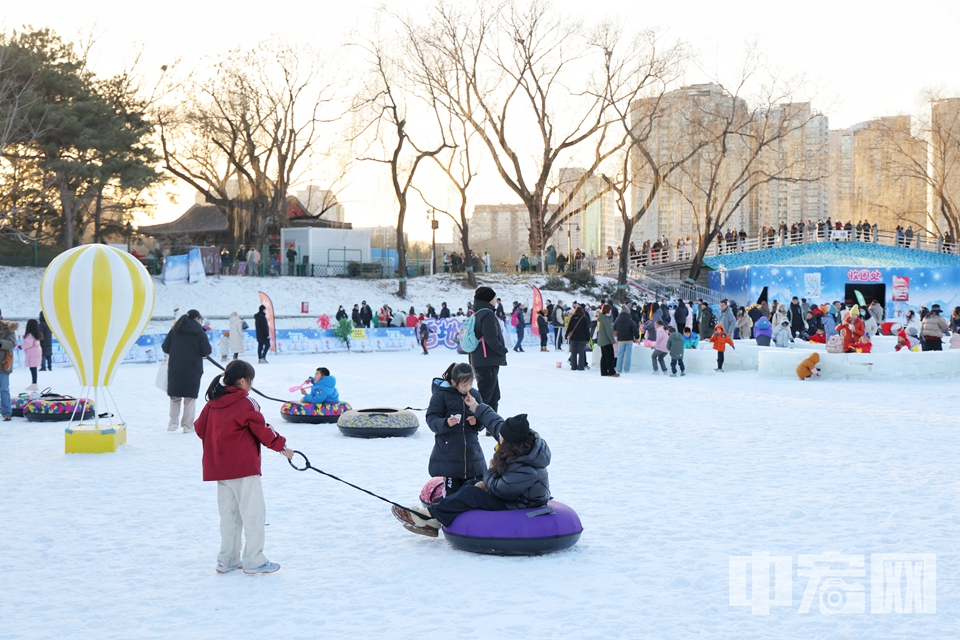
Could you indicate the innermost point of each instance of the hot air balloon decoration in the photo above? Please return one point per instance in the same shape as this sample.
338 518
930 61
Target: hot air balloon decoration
97 300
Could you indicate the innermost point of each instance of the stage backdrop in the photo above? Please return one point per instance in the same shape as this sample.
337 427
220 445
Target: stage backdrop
906 287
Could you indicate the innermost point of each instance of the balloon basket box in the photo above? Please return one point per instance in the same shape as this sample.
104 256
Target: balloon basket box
91 439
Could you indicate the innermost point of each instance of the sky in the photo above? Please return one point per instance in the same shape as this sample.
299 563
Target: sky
861 59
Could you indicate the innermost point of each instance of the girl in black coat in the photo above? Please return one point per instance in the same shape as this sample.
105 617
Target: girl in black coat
544 328
456 455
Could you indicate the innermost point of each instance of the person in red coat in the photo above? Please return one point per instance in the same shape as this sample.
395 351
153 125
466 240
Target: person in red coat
852 329
232 430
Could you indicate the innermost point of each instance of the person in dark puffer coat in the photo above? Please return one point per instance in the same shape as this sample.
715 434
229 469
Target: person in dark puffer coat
456 455
517 477
187 345
492 353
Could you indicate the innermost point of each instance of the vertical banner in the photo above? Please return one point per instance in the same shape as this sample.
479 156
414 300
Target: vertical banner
266 302
195 269
535 311
901 288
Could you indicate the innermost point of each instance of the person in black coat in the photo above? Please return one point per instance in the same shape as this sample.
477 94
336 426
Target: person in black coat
366 314
492 352
187 345
46 345
680 315
456 455
263 334
578 333
544 328
444 311
341 313
355 316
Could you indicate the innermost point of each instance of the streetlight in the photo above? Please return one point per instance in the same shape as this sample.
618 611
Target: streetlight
433 243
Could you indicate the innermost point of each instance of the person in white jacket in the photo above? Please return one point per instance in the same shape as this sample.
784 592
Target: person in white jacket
236 335
781 335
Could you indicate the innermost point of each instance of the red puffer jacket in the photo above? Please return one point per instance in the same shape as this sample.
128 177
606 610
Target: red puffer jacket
232 429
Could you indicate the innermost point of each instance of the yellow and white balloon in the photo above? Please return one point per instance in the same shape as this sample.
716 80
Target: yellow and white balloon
97 300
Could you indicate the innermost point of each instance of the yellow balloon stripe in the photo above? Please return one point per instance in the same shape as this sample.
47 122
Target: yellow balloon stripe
61 307
102 291
139 298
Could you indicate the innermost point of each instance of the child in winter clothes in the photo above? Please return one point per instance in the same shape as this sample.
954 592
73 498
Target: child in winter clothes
232 430
517 477
424 334
456 456
720 341
659 347
323 389
809 367
675 347
820 336
690 339
781 335
864 346
32 351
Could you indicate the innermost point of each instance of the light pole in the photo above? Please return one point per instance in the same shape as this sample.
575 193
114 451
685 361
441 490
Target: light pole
433 242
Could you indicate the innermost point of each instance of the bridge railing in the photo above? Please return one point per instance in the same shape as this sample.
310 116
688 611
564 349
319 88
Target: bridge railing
658 285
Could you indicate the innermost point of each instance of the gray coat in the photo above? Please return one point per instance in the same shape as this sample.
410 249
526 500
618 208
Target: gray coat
727 319
604 331
525 484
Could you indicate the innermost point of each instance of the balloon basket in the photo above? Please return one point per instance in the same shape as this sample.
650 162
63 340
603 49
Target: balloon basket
86 438
100 437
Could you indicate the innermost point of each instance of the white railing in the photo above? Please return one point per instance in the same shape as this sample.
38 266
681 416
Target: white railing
657 285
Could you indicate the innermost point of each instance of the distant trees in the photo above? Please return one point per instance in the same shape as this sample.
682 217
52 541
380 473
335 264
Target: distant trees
73 145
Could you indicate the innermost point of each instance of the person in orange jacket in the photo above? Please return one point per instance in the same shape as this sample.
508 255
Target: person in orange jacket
809 367
720 341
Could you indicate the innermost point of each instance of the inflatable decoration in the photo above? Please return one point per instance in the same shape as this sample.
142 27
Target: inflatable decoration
55 408
313 413
516 532
378 423
97 300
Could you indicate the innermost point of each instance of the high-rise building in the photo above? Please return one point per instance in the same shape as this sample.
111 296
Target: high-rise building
945 165
871 177
503 230
680 120
800 160
595 223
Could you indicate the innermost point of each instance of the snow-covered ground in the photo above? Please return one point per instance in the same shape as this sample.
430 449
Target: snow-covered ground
671 477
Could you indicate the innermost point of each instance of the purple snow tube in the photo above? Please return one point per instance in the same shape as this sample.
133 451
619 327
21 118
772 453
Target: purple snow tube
516 532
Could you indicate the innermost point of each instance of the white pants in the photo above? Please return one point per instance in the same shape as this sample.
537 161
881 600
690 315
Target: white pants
189 412
241 509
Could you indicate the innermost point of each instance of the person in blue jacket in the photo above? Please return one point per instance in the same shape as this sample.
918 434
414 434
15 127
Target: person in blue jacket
456 456
323 389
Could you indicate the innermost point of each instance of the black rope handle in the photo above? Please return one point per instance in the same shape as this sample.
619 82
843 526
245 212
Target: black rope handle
263 395
307 465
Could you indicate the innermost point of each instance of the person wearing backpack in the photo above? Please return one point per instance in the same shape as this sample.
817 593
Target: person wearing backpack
518 321
8 342
490 352
763 331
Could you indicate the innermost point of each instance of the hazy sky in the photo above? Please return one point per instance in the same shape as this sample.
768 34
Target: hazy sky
862 58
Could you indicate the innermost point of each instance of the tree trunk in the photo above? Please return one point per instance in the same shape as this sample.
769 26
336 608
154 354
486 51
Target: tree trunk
97 214
465 245
68 213
624 269
401 250
702 248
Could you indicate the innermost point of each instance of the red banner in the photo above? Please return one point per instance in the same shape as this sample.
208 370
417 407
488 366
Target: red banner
266 302
536 308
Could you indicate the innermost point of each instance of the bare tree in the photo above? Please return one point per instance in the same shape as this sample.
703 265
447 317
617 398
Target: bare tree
536 88
383 104
243 134
924 158
738 149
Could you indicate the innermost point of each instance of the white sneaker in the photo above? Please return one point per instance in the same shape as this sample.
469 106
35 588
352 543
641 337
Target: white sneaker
655 372
188 430
33 387
173 428
266 567
224 568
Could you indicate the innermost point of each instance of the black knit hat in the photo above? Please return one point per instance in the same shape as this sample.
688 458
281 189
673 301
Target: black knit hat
193 314
485 294
515 429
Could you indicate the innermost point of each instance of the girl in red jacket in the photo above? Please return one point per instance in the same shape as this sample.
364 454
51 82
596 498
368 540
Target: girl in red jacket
232 430
720 341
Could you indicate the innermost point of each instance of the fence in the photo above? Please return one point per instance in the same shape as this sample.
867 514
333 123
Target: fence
657 285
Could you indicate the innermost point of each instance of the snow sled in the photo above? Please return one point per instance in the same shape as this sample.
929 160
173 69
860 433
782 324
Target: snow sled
56 408
326 413
378 423
16 405
516 532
